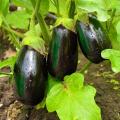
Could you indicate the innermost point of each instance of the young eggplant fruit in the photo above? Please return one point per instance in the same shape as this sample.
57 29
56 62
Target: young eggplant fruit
30 74
63 52
50 19
92 39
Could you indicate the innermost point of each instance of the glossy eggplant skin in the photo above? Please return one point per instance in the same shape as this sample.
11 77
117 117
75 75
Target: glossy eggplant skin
30 73
92 39
63 52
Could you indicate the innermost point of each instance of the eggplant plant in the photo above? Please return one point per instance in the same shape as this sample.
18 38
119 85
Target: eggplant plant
45 35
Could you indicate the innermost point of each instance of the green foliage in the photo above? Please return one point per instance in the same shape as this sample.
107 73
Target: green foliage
6 74
8 62
93 6
51 82
116 17
114 57
33 39
82 16
23 3
44 5
72 100
4 7
114 54
113 37
18 19
67 22
3 75
99 6
62 7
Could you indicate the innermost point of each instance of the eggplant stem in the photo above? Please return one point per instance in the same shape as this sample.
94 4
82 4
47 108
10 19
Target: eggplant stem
85 67
13 31
43 26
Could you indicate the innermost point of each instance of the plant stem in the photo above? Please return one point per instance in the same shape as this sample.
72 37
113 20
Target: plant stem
6 73
33 3
112 18
37 6
43 26
85 67
71 9
36 9
16 43
106 23
13 31
57 7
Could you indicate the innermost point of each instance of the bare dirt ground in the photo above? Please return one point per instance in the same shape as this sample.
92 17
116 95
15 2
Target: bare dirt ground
100 76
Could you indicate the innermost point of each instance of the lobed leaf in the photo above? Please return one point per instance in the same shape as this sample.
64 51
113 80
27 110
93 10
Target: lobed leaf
72 100
18 19
114 56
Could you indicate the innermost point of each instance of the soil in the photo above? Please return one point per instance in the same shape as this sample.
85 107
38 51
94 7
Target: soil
100 76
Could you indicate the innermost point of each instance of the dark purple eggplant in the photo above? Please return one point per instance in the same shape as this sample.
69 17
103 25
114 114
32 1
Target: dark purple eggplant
30 72
92 39
63 52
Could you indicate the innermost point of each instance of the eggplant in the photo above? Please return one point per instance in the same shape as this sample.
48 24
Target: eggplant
92 39
63 52
12 7
50 18
30 73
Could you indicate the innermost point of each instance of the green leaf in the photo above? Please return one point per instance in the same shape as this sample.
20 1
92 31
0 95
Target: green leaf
116 17
114 56
82 16
18 19
33 39
115 4
50 83
23 3
67 22
4 4
72 100
62 7
113 37
44 7
8 62
98 6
